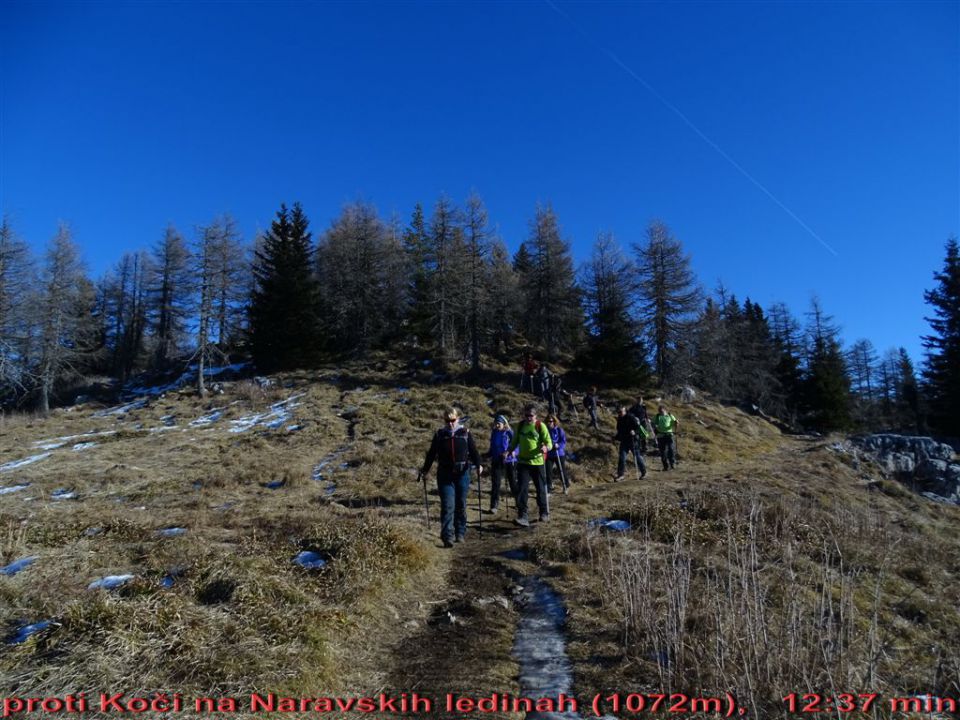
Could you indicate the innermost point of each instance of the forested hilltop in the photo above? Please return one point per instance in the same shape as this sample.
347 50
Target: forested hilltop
446 287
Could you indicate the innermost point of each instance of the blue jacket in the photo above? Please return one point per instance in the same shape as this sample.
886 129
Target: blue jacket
499 444
559 438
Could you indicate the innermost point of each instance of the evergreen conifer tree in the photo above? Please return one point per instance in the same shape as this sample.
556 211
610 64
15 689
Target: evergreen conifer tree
941 371
284 322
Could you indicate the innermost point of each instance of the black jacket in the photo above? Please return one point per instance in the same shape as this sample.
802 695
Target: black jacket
454 451
624 425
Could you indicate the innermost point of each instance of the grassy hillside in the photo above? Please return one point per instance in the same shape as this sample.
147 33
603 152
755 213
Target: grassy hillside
763 565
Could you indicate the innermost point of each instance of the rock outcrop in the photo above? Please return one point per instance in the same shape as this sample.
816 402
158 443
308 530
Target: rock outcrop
922 461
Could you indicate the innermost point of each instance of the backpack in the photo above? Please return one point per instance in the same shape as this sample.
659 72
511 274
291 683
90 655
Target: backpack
454 448
586 402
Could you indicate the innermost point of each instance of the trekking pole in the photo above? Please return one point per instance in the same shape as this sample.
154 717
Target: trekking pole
479 503
563 475
636 462
426 500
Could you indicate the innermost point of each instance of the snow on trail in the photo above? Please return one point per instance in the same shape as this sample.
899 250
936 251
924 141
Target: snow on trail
278 415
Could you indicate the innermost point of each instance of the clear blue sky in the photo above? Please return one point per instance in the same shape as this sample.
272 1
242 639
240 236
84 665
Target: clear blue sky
122 117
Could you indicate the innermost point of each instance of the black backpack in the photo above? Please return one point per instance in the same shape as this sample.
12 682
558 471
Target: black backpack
454 448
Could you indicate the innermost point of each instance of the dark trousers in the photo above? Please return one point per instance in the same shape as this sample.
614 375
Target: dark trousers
628 446
552 463
668 454
499 469
453 491
526 473
593 417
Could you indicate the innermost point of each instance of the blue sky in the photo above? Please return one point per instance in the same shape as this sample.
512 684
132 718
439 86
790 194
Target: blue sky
120 118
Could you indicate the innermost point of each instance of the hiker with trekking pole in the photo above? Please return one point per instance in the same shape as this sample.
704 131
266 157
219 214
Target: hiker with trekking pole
502 463
555 456
455 452
591 402
666 426
531 442
629 430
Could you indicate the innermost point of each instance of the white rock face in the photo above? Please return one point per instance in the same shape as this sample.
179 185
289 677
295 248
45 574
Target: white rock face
915 458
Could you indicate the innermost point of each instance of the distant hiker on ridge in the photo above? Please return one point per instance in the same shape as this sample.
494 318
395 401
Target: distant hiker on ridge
531 439
454 450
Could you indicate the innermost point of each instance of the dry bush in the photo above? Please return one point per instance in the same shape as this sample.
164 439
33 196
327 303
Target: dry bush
737 593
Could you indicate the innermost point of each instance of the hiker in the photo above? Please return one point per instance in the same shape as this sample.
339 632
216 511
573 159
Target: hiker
629 430
666 425
454 450
639 411
542 385
555 394
531 439
502 462
528 369
555 456
591 402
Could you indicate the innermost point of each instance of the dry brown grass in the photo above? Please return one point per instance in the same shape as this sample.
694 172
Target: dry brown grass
762 564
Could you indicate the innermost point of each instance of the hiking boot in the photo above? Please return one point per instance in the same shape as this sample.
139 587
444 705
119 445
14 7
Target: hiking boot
544 517
522 521
458 538
643 474
447 543
494 510
566 489
618 478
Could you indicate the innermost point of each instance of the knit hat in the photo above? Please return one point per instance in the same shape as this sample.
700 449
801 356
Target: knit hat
501 419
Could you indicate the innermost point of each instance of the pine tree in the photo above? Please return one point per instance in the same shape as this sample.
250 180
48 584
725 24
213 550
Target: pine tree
284 323
908 394
941 371
613 351
501 310
421 267
827 382
669 299
552 312
477 241
862 362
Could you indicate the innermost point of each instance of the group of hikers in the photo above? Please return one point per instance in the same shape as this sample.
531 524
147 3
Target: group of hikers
535 453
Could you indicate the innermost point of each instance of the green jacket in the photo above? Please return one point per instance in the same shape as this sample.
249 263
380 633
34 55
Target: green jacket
664 424
530 438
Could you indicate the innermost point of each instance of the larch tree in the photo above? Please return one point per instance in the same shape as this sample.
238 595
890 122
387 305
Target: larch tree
61 325
171 286
16 280
477 237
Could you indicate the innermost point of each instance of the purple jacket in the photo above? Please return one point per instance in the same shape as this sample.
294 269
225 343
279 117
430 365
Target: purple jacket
499 444
559 438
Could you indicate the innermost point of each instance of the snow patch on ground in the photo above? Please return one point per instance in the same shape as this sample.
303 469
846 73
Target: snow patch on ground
22 633
63 494
121 409
207 419
278 415
83 446
608 524
18 565
309 560
13 464
317 473
188 376
172 532
110 582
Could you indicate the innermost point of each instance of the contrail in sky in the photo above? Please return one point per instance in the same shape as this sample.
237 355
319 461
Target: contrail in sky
690 124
